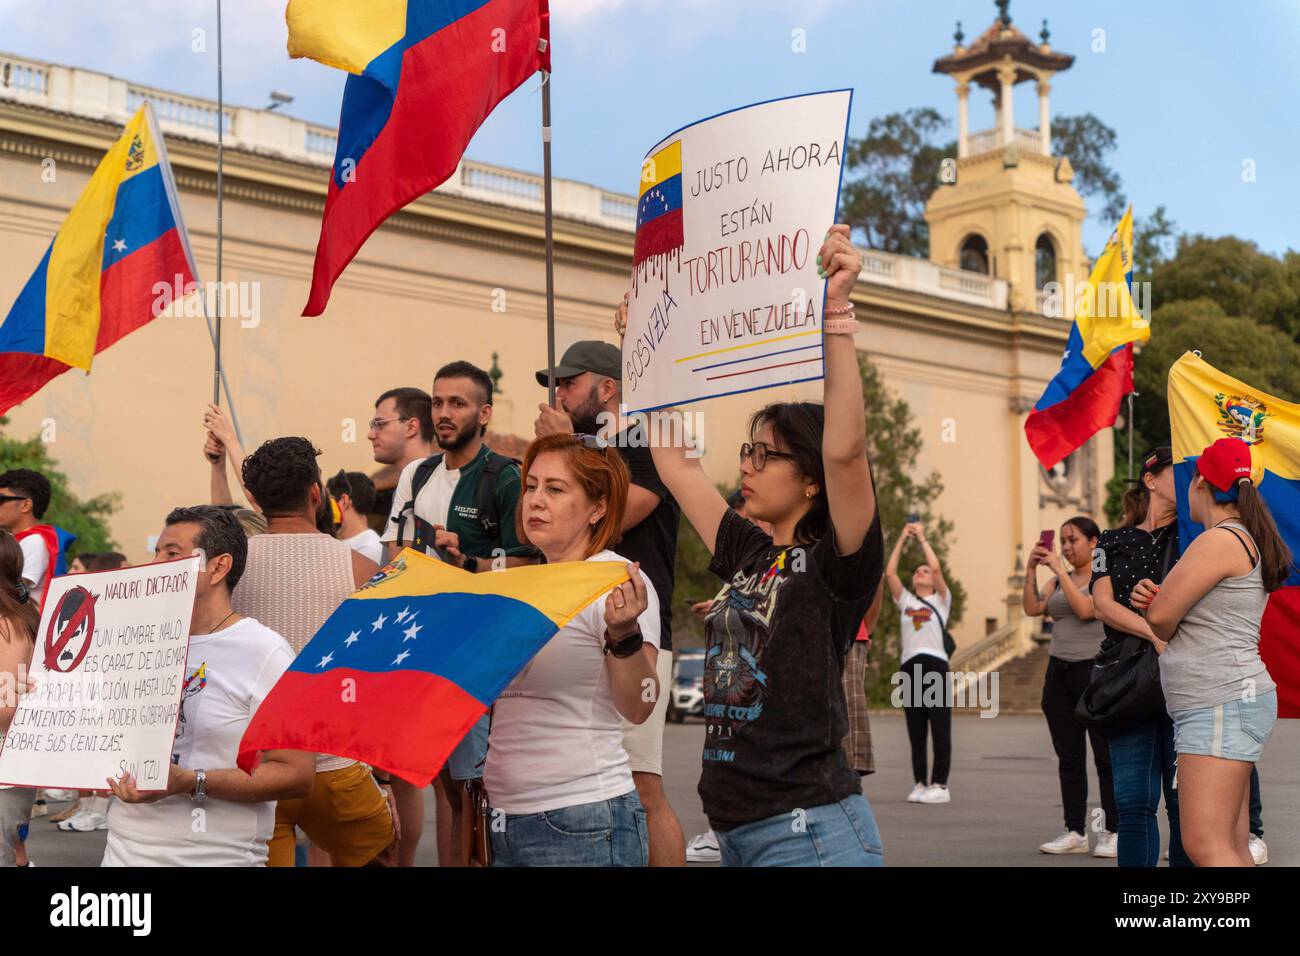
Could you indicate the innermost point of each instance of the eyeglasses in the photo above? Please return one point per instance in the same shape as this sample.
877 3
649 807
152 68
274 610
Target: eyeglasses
377 423
4 498
594 442
760 452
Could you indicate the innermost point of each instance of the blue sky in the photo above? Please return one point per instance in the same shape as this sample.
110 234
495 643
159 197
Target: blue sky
1192 87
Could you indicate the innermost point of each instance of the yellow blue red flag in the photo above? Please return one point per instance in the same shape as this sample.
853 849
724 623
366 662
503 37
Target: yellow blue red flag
1205 405
408 664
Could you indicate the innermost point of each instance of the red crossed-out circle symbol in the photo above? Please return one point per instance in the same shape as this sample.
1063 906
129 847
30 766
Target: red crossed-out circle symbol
67 639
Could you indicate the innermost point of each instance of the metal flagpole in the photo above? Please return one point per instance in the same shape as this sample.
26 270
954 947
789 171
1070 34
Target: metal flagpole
550 239
221 148
1130 436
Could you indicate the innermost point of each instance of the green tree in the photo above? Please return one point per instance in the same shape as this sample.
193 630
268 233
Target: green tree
88 519
892 171
1235 274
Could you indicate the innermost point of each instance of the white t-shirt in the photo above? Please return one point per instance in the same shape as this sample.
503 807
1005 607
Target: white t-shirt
556 740
227 676
36 564
920 630
368 545
432 504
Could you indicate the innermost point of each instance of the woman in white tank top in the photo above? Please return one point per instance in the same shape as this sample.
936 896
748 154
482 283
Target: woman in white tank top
1217 689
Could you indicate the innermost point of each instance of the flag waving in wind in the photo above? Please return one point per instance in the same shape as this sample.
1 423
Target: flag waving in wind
1204 406
425 75
96 281
1097 367
403 669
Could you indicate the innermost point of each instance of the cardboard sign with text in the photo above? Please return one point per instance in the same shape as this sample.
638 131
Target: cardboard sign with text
109 669
731 214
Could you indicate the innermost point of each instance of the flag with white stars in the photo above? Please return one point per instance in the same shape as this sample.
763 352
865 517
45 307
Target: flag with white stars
403 669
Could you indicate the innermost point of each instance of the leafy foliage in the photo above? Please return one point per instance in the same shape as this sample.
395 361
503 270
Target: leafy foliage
88 519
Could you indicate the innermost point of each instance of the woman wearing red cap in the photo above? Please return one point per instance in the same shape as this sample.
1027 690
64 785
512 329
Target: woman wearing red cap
1217 689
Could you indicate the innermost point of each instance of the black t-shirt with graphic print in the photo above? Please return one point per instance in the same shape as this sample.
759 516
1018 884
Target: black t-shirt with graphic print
1128 555
777 638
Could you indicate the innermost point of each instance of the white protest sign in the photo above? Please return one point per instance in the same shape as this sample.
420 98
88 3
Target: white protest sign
731 215
109 668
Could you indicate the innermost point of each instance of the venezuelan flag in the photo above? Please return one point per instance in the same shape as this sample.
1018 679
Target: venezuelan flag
96 281
1097 367
1204 406
659 210
407 665
425 75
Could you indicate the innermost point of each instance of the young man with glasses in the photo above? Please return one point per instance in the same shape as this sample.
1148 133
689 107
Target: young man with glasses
458 506
402 430
24 497
588 391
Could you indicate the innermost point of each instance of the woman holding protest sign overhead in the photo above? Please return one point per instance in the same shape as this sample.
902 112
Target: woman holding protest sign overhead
777 787
19 619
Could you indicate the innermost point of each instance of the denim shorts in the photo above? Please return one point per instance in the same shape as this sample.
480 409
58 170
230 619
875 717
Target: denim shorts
606 833
837 834
1235 730
466 761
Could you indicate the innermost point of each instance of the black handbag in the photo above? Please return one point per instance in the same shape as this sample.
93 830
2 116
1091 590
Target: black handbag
1125 687
949 645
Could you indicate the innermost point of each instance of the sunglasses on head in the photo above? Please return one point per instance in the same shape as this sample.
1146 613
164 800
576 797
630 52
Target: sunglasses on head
760 452
594 442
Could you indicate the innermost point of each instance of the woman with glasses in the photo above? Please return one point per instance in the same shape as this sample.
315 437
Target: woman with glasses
777 786
557 776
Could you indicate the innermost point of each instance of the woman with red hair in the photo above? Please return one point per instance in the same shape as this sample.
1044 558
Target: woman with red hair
556 767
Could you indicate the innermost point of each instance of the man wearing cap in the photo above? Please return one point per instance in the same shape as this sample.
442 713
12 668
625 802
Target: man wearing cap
588 391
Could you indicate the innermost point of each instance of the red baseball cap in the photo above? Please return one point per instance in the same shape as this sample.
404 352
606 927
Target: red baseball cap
1225 463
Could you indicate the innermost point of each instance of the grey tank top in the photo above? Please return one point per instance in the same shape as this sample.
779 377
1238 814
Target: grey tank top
1214 656
292 584
1072 639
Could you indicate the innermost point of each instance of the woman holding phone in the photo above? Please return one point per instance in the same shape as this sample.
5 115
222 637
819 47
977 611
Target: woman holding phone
776 784
1076 636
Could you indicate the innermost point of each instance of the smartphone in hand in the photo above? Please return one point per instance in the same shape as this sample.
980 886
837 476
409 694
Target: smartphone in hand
1047 539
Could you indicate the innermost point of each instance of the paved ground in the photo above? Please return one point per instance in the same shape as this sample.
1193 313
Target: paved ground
1006 799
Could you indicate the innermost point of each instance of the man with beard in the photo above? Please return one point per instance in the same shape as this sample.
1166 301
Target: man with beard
588 391
459 506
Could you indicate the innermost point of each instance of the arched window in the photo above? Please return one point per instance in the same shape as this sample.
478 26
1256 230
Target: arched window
975 254
1044 261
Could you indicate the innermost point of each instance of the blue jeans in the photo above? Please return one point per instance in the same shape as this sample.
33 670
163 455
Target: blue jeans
836 834
607 833
1142 766
466 759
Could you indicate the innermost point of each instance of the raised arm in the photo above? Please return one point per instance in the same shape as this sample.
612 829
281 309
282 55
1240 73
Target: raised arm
1032 600
849 489
220 429
940 585
684 477
891 569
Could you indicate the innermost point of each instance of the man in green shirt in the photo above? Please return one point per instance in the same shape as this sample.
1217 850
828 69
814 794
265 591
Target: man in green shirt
458 505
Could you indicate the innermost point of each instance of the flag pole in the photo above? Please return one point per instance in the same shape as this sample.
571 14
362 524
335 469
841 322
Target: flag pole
221 148
550 238
1130 435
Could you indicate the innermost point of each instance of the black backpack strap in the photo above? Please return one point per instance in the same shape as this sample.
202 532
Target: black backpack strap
423 530
489 515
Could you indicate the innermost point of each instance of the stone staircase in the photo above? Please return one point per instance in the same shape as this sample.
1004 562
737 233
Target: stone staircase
1020 684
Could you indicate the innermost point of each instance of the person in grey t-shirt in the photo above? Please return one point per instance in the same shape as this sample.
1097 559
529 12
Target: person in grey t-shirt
1217 690
1076 635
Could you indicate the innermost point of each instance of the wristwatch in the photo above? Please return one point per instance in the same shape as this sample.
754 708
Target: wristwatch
200 792
625 647
469 563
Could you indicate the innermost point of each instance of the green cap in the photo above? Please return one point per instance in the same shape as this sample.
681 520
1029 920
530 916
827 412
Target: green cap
587 356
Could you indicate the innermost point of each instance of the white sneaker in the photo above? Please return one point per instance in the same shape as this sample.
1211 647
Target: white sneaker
85 821
703 849
917 792
1258 850
935 793
1067 842
59 796
1107 845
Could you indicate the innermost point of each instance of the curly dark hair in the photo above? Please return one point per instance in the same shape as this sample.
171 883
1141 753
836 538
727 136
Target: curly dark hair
280 475
221 534
30 483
